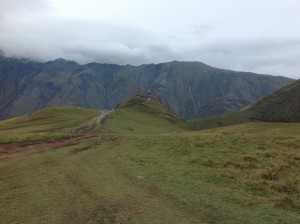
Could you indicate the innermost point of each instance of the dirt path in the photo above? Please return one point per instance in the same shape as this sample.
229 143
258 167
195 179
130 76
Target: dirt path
92 125
17 150
88 131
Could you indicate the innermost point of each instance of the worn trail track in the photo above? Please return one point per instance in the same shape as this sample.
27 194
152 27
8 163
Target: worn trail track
17 150
87 132
92 125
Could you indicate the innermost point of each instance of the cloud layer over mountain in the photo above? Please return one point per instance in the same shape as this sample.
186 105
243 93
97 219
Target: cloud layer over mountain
258 36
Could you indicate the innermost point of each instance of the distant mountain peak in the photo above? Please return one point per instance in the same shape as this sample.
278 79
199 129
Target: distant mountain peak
60 61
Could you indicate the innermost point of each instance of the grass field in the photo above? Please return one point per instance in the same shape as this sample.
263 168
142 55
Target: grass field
150 170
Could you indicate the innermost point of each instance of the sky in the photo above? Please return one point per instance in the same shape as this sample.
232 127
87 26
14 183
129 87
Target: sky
261 36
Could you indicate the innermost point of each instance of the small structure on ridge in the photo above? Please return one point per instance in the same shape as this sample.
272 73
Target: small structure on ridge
149 94
138 92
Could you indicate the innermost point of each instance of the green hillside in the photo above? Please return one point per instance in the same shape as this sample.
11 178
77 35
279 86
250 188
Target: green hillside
143 165
53 122
140 116
281 106
234 118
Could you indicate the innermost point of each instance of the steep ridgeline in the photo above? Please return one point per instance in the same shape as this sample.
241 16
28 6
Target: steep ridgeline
190 89
282 105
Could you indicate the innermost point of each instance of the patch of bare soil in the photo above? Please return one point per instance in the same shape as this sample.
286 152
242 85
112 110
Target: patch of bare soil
87 130
17 150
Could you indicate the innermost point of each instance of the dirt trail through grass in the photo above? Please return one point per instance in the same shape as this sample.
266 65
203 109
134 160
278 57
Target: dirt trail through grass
88 131
95 123
17 150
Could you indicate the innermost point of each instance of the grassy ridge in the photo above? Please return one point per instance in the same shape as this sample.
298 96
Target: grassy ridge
240 174
139 116
281 106
41 125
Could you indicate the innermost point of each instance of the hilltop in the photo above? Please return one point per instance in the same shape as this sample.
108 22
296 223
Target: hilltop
282 105
56 127
136 115
143 115
190 89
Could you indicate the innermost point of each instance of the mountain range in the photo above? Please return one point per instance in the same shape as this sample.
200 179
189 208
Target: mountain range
190 89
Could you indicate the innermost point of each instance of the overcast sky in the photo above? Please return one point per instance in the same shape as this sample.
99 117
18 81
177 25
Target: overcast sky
261 36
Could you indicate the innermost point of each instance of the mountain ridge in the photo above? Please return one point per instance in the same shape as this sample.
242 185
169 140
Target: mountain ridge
190 89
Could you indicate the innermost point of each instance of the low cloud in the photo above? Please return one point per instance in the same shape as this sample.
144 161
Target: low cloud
277 57
188 31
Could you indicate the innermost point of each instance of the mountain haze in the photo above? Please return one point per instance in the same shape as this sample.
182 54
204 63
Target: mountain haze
190 89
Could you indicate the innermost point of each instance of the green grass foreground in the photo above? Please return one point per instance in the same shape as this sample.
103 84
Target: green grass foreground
247 173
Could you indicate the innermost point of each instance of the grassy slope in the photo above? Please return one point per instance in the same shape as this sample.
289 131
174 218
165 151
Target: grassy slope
240 174
281 106
234 118
136 116
53 122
